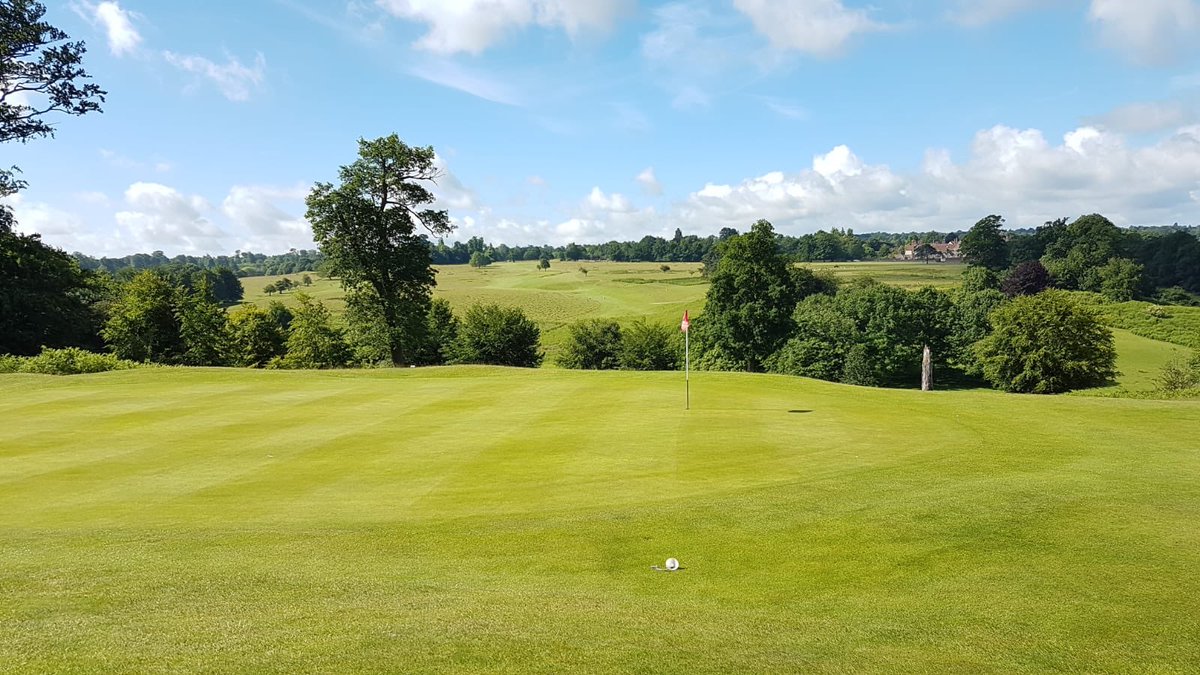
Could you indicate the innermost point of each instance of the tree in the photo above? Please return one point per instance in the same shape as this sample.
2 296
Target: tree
501 336
593 344
306 280
823 337
1027 278
1046 344
202 328
480 259
143 324
443 333
975 279
366 228
650 346
984 245
313 340
1080 249
41 72
924 252
748 314
253 338
1120 279
544 262
46 300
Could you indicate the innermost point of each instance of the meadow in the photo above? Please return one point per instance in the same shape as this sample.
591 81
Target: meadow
479 519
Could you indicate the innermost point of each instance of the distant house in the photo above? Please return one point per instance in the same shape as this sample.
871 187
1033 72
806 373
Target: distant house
942 252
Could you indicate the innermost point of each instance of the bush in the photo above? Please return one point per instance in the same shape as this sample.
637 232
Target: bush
253 337
976 279
313 340
664 268
1177 296
1180 374
68 361
650 346
592 345
442 333
480 259
501 336
1046 344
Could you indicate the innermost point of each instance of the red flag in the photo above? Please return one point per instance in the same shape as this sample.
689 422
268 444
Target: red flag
684 326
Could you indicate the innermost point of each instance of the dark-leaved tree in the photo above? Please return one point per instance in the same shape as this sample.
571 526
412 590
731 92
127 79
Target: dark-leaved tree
985 246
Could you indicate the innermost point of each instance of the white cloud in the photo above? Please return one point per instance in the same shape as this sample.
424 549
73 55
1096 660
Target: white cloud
815 27
161 217
42 218
117 23
476 83
260 224
472 26
1149 32
1137 118
235 80
649 182
1009 171
450 191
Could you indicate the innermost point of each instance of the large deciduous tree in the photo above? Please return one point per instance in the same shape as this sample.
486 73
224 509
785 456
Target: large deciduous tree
41 72
367 228
1046 344
753 293
985 246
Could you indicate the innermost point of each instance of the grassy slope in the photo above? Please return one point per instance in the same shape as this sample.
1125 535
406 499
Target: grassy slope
481 519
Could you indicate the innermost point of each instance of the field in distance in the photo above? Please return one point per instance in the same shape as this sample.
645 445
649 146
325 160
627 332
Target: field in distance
480 519
622 291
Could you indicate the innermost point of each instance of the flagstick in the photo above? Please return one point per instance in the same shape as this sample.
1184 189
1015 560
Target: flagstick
687 371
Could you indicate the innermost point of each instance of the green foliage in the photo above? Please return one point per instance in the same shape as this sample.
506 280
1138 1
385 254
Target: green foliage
592 344
1180 374
495 335
480 259
985 246
1080 249
253 337
46 300
814 282
366 228
442 334
823 337
143 324
753 293
650 346
313 339
858 368
1177 325
202 328
1046 344
1177 296
544 262
1120 279
66 361
976 279
972 323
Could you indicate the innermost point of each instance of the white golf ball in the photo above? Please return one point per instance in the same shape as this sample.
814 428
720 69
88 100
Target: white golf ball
672 564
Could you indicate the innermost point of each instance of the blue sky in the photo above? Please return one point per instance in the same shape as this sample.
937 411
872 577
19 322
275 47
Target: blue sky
590 120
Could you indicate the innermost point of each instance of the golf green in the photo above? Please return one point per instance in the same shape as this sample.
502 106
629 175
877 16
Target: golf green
484 519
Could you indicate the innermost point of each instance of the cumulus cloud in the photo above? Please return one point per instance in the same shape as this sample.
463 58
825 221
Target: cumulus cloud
261 224
1148 32
816 27
41 218
235 80
117 23
1010 171
472 26
649 182
162 217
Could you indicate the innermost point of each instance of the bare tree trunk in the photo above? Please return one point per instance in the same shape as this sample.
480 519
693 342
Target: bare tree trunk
927 370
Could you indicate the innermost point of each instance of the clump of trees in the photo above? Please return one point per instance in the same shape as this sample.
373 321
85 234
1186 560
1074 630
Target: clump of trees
603 344
496 335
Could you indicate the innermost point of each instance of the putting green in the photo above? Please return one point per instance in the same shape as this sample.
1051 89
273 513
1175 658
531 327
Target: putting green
481 519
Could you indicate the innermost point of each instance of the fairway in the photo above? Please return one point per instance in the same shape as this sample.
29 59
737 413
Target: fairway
483 519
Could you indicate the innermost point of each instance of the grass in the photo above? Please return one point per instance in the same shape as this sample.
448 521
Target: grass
476 519
563 294
1177 325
